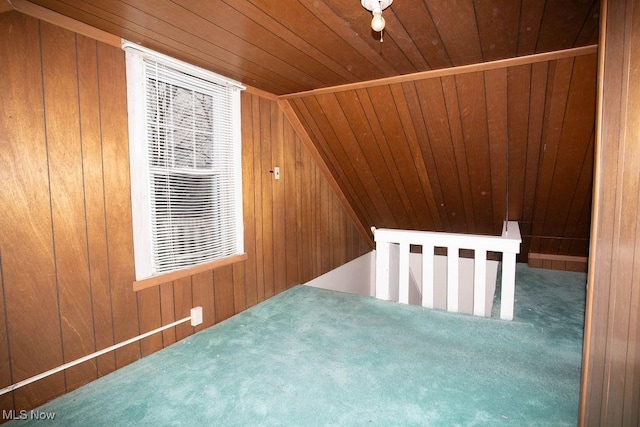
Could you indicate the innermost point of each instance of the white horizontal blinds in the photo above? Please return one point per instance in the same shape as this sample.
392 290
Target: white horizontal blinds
191 168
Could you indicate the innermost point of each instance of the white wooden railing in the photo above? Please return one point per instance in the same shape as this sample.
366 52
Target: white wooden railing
398 242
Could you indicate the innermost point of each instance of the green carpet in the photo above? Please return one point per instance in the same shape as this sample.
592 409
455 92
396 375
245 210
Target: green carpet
315 357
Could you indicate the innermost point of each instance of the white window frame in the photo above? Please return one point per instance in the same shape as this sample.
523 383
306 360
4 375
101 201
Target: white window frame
139 158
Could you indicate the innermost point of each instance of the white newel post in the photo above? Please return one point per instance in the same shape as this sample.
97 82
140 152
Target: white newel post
508 285
511 234
382 270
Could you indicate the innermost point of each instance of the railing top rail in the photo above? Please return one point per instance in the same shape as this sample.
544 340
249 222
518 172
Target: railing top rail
508 242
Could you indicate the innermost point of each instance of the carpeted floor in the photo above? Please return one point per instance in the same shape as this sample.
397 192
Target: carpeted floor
315 357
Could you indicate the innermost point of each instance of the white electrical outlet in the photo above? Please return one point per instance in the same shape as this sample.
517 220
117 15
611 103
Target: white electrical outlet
276 173
196 316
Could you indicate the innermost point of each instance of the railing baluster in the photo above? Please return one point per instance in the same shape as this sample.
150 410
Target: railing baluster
382 270
453 254
427 276
508 285
395 284
479 282
403 274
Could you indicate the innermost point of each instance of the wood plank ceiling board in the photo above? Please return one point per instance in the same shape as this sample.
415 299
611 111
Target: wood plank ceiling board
397 55
573 152
349 180
565 22
458 28
427 212
454 118
143 27
558 88
399 204
246 37
498 28
518 100
418 23
473 118
589 34
531 14
537 97
368 167
292 46
424 158
496 88
434 112
289 36
579 215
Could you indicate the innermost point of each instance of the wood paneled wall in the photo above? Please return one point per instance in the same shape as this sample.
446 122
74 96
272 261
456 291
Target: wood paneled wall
611 371
66 250
443 153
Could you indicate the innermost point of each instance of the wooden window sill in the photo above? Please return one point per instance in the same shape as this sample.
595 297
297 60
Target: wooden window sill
152 281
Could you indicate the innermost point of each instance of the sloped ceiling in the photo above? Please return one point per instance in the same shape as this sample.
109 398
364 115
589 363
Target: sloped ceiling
459 151
289 46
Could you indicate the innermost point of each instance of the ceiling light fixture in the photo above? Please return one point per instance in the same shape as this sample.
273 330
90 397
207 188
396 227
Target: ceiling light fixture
376 7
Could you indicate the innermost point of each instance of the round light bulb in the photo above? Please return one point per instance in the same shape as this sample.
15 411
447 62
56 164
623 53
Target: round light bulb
377 23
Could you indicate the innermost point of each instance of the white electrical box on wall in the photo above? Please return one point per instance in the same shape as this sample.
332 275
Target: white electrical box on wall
196 316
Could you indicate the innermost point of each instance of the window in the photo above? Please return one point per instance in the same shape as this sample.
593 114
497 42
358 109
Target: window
184 138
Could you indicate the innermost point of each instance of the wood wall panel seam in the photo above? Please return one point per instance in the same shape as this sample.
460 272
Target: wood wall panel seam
278 197
113 116
183 302
59 55
257 198
266 195
93 174
34 335
496 89
248 203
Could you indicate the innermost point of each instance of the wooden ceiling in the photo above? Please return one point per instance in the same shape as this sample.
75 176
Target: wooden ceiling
289 46
437 127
